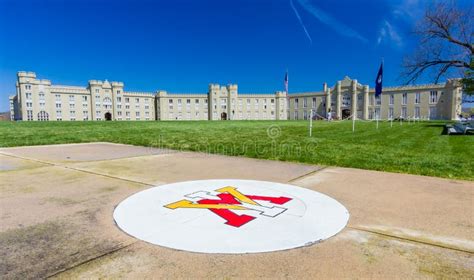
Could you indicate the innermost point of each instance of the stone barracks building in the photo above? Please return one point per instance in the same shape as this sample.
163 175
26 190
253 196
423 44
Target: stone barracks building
39 100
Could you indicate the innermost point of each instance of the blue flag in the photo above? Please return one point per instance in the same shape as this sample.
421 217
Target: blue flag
378 81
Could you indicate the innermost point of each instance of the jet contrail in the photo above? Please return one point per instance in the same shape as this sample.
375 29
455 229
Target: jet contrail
329 20
301 22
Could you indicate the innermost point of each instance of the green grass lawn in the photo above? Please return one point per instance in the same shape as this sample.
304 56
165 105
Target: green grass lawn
409 148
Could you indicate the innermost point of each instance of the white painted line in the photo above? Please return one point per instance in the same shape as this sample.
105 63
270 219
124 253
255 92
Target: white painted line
230 216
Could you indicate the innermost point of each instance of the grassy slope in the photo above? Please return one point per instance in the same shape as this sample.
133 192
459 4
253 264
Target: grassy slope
411 148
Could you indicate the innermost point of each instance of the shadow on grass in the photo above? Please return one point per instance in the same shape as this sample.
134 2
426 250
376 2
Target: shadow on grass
435 125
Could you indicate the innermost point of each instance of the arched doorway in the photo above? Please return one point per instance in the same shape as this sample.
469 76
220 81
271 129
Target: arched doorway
108 116
346 113
223 116
43 116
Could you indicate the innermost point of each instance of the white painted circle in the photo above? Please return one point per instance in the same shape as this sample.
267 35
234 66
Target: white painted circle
254 216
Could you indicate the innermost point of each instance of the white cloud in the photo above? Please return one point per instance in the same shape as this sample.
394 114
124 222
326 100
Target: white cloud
327 19
389 34
301 22
409 9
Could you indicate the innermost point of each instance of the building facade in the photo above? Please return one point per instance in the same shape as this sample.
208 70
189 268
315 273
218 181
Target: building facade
350 99
39 100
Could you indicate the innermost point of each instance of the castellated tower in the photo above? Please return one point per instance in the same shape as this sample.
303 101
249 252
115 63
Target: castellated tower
34 97
95 88
231 101
213 100
281 105
117 99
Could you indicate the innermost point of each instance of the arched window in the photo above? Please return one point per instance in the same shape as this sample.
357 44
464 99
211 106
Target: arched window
107 103
43 116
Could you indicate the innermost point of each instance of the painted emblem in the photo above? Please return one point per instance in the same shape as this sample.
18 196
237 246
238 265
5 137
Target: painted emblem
224 201
230 216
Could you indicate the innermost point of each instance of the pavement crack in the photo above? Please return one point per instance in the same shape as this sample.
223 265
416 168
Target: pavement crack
413 240
91 259
307 174
78 169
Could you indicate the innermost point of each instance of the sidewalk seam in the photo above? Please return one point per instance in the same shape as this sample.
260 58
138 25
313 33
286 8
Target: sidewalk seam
414 240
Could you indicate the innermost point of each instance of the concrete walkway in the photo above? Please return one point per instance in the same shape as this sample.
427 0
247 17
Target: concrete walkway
56 205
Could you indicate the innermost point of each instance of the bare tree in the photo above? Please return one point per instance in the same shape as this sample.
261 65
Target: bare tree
446 34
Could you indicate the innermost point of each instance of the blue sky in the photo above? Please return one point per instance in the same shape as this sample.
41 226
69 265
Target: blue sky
183 45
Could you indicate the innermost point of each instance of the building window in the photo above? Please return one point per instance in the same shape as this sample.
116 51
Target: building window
84 98
296 104
137 100
57 97
107 103
417 98
295 115
314 102
118 92
29 114
43 116
432 112
378 100
72 106
404 98
58 105
390 113
404 112
305 113
71 98
346 100
377 113
119 99
417 112
30 104
433 97
127 100
28 95
391 100
305 103
96 90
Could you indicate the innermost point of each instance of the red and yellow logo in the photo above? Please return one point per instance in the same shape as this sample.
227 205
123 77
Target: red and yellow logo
224 201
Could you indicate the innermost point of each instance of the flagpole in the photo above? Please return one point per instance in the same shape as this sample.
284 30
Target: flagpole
377 121
378 90
353 123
